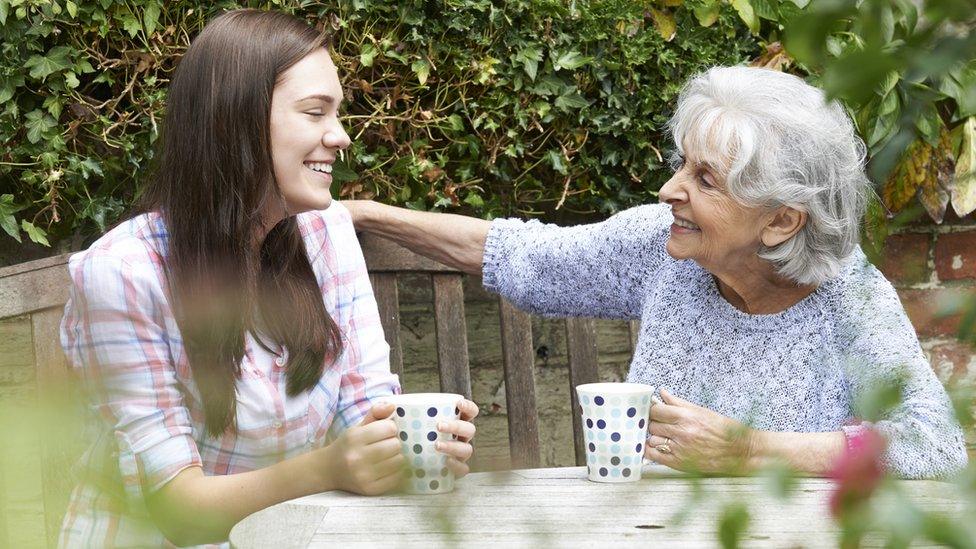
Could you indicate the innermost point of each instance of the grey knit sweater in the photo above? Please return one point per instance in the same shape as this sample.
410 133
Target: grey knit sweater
801 370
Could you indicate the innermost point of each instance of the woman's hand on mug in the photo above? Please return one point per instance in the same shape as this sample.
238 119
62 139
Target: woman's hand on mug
459 450
366 459
689 437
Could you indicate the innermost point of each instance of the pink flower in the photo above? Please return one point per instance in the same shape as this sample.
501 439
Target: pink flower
858 472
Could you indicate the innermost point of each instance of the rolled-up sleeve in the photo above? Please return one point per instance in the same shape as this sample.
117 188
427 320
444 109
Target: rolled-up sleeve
113 333
597 270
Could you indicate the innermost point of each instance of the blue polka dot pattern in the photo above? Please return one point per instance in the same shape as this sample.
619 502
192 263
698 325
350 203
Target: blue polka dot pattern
614 432
418 434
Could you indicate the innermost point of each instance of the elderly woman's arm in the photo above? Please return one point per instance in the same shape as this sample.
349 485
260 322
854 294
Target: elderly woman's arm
689 437
599 270
454 240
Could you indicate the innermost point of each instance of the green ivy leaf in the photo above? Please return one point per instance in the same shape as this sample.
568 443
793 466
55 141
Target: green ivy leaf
131 24
151 17
747 14
4 12
929 124
960 84
421 68
7 220
42 66
474 200
556 159
367 55
53 105
571 60
707 13
571 101
341 172
6 91
36 234
38 122
530 57
72 8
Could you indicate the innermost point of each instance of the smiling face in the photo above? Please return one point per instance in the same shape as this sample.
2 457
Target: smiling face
305 132
710 226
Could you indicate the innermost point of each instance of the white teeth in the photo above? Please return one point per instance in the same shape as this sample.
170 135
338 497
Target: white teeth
685 224
319 167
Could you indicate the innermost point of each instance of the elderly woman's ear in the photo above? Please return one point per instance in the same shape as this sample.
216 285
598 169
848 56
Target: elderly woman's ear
784 223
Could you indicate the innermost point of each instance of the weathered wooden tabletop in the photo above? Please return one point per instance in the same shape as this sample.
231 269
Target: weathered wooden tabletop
560 508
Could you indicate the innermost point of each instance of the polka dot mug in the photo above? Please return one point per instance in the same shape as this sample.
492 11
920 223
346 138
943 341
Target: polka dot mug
615 417
416 416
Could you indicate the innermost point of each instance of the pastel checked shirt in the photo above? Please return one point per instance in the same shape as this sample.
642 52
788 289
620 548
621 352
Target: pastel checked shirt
146 417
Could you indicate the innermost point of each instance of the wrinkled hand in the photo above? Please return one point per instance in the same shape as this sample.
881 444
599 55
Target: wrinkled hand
459 450
699 439
366 459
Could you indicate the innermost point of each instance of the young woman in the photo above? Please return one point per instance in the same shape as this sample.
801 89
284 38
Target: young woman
228 336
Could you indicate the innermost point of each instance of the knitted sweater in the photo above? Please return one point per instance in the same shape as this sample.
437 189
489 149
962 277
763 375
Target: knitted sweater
804 369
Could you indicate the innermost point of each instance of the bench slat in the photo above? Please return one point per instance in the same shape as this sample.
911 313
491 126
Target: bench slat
452 334
388 303
581 344
519 363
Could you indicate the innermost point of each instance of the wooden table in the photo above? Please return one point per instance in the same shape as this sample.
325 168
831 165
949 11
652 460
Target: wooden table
560 508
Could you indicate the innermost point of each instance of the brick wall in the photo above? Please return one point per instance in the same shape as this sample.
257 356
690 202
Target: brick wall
934 269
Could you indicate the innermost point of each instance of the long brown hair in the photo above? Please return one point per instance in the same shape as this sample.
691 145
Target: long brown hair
212 184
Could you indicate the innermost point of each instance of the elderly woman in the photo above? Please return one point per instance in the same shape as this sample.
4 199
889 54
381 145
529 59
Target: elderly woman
761 320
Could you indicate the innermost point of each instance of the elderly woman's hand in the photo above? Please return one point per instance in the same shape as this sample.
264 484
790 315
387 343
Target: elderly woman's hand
460 449
689 437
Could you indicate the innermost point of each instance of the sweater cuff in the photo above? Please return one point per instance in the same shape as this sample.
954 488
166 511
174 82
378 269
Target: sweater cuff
494 251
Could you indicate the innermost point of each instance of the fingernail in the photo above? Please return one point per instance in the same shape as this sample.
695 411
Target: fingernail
441 426
437 445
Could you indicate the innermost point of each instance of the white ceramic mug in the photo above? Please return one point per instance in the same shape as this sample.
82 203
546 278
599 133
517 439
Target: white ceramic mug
615 421
416 416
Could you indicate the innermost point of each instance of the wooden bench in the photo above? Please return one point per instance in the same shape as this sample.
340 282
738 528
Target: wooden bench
38 290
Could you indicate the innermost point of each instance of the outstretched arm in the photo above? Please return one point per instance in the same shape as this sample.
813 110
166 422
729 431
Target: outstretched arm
454 240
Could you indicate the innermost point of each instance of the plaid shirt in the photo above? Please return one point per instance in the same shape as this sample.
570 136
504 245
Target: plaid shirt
147 421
